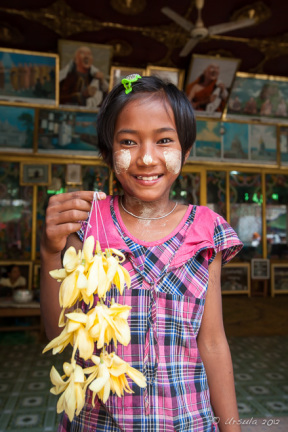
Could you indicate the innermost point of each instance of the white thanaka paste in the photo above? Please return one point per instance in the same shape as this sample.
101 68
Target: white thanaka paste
147 159
173 160
122 159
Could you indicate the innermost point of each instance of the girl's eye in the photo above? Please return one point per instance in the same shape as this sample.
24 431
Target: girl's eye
164 141
127 142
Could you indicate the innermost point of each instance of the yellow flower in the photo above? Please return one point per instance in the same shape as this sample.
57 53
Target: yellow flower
101 385
76 333
73 275
73 397
116 273
109 374
110 323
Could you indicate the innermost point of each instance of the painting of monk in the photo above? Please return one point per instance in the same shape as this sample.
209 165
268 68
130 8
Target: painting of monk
208 84
84 74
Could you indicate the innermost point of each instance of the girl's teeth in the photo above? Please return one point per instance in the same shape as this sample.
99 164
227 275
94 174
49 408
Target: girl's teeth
147 178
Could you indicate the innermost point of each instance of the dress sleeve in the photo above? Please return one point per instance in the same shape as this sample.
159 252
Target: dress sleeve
226 240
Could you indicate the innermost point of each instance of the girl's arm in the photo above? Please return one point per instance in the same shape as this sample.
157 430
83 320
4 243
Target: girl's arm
63 216
215 353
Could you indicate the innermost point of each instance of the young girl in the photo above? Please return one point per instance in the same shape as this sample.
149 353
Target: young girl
173 253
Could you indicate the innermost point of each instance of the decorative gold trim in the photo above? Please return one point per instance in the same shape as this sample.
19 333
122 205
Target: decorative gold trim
21 263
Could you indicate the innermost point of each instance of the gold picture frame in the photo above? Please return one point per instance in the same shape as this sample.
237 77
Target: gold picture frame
257 97
84 74
235 279
279 278
33 78
36 173
73 174
208 84
174 75
117 73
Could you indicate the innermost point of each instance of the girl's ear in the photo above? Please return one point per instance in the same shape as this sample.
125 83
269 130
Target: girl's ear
187 155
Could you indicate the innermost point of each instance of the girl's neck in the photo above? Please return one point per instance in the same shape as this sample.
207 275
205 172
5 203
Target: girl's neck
147 210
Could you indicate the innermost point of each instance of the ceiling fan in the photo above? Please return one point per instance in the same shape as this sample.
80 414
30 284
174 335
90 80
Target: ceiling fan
198 31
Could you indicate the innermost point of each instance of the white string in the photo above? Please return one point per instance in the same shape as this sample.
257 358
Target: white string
88 225
103 226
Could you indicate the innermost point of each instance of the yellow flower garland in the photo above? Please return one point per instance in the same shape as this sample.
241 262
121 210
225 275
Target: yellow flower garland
84 275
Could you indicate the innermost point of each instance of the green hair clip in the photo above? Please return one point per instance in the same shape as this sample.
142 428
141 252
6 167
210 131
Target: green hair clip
128 80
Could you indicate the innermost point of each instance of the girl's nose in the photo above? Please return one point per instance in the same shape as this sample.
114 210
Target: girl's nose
147 155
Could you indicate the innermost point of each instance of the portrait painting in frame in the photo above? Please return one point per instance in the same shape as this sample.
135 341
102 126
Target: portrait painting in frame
67 132
84 73
117 73
259 97
173 75
17 129
209 83
28 78
34 174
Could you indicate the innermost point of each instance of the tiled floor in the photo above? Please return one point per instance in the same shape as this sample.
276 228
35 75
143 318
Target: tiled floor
260 367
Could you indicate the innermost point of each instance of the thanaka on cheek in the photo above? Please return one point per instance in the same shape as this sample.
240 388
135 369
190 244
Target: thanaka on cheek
122 159
173 160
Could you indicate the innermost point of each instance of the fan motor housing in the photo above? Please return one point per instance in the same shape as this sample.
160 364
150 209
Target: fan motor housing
199 32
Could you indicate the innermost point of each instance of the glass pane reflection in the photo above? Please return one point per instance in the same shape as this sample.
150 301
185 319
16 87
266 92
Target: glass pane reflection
186 189
15 214
216 191
276 216
246 213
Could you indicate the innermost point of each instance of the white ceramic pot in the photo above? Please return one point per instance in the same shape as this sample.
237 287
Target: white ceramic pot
22 296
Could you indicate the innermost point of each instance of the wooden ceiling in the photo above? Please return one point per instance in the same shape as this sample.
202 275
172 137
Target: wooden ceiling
142 35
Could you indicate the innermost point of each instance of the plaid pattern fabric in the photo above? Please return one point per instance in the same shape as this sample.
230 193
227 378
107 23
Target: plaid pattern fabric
167 307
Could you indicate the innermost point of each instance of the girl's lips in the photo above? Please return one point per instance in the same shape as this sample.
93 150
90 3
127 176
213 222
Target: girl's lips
148 180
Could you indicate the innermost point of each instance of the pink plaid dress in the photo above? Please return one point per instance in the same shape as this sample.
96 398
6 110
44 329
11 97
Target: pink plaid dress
169 283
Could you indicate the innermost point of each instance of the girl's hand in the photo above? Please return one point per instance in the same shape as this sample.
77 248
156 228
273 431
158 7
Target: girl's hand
64 215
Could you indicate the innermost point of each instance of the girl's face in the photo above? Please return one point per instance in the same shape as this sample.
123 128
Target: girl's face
146 149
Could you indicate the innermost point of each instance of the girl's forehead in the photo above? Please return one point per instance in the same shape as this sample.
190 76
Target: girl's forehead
155 104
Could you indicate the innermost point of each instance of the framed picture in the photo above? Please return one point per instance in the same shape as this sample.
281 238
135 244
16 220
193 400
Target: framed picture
67 132
208 145
74 174
235 140
17 129
235 279
34 174
259 97
117 73
209 83
283 139
279 278
84 73
260 268
14 274
28 78
173 75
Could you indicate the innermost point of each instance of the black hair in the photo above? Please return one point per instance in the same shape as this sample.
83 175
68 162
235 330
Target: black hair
117 99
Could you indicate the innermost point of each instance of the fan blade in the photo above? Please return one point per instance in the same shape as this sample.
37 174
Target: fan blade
188 47
229 26
187 25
